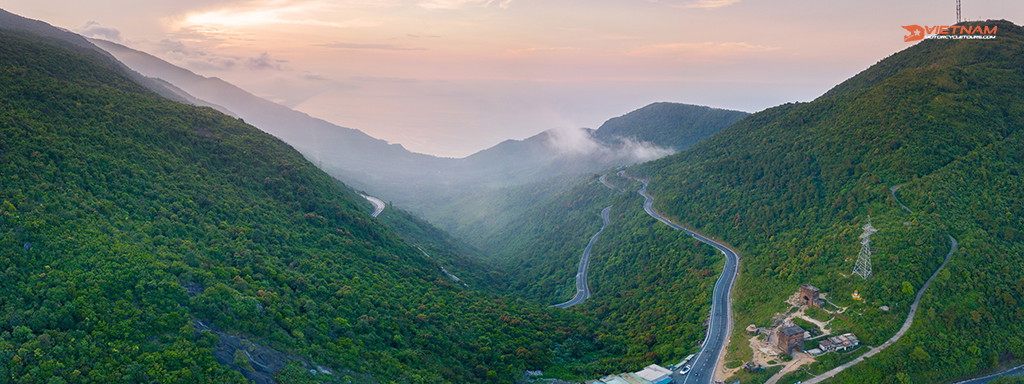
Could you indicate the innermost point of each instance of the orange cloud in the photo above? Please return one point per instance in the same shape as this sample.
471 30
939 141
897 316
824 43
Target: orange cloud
458 4
707 4
301 13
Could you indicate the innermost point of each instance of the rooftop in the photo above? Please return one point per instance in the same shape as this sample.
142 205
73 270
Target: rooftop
794 330
653 372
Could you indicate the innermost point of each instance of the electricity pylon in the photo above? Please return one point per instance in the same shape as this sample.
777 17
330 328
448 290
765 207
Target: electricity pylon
863 266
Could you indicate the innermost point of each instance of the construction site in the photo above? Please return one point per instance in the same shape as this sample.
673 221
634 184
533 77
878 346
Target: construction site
795 338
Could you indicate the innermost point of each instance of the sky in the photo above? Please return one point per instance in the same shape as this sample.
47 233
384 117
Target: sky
452 77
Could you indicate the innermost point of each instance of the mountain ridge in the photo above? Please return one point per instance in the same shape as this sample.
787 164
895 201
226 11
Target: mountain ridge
791 185
12 21
416 181
133 227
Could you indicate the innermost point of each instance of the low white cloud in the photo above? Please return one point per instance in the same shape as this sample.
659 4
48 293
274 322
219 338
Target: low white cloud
572 141
641 150
264 61
203 60
581 142
96 30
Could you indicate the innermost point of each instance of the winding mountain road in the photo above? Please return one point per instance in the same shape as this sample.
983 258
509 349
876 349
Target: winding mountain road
906 323
892 190
953 244
604 180
705 364
582 285
378 204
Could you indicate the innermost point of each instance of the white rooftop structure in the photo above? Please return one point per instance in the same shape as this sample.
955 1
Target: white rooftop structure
655 374
624 378
652 374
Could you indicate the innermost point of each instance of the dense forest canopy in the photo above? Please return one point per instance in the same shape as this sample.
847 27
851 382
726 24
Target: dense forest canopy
791 186
131 224
139 235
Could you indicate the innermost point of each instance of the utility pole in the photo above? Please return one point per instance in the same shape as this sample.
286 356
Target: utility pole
863 266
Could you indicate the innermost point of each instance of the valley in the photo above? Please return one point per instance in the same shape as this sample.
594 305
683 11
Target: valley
705 365
161 226
582 286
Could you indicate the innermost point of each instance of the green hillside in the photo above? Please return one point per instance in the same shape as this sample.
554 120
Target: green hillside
484 217
130 225
677 126
651 284
454 255
541 243
791 186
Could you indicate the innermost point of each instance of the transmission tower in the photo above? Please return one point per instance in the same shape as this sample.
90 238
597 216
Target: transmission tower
958 11
863 266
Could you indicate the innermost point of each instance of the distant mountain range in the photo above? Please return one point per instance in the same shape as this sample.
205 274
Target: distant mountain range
420 181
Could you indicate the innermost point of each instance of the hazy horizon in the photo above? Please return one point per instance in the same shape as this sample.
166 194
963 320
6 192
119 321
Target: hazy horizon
452 77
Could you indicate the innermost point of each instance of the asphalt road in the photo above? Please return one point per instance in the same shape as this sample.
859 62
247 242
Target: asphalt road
378 204
1015 371
604 180
582 286
703 366
892 190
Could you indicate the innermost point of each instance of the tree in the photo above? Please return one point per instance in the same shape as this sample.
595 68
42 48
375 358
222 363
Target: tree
907 289
920 354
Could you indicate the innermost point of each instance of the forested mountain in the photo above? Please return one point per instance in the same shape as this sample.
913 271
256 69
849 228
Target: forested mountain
457 257
641 135
143 240
421 182
73 41
348 154
791 186
677 126
485 217
651 284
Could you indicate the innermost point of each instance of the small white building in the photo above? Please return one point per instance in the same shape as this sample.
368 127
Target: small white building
656 374
842 342
652 374
624 378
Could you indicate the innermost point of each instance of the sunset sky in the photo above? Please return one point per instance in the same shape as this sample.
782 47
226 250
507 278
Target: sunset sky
451 77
